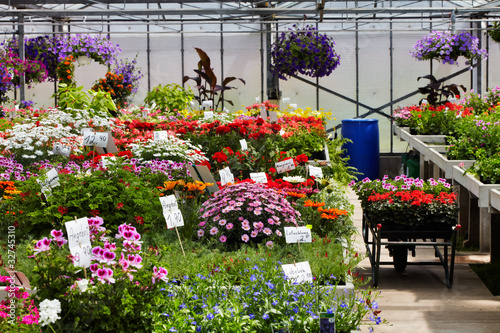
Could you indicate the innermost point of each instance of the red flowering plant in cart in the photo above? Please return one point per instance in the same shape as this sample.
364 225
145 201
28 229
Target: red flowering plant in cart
408 201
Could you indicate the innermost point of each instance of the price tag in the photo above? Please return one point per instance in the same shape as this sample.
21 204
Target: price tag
226 176
207 105
144 114
286 100
89 138
244 145
79 241
315 171
284 166
293 106
298 235
282 131
326 322
87 129
208 114
101 139
52 180
263 112
257 99
299 272
169 203
259 177
59 149
174 219
160 135
273 116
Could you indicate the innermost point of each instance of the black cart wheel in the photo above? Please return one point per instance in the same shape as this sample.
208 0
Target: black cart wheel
400 257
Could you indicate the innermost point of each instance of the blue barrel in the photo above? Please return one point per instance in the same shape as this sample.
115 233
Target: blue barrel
364 151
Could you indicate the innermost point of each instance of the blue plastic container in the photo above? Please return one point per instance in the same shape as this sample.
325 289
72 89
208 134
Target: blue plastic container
364 151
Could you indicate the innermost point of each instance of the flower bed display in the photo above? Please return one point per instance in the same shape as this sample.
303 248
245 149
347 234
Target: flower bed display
231 243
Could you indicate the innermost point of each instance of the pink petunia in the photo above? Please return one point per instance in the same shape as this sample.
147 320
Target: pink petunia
200 233
245 238
223 239
214 231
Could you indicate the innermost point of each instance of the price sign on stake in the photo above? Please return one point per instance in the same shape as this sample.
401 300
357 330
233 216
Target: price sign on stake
79 241
298 235
101 139
89 138
299 272
317 172
259 177
263 112
226 176
284 166
208 115
173 215
160 135
244 145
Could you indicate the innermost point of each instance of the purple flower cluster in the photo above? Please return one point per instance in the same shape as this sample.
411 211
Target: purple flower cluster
131 74
11 170
97 47
246 212
447 47
303 51
5 81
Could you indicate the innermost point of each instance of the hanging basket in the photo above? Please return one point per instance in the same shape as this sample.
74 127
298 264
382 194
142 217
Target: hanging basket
494 32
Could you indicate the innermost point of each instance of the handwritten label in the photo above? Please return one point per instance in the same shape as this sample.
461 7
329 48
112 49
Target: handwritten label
101 139
226 176
259 177
299 272
173 216
160 135
317 172
52 180
298 235
282 131
284 166
59 149
244 145
293 106
257 99
208 115
79 241
144 114
89 138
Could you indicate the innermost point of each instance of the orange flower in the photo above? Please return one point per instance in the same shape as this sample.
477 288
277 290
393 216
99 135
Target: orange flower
296 195
69 77
310 203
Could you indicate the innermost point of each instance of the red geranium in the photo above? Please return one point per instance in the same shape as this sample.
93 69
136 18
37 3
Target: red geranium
220 157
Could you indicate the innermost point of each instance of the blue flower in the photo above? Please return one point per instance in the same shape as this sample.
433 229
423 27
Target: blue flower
210 316
265 316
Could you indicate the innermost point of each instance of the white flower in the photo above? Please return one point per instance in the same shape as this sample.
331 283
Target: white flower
294 179
82 284
49 311
39 152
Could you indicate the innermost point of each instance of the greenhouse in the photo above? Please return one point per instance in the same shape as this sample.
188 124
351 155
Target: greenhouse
222 166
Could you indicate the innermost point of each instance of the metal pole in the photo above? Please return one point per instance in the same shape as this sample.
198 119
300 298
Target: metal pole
317 79
391 55
357 64
183 73
262 62
148 52
22 56
221 60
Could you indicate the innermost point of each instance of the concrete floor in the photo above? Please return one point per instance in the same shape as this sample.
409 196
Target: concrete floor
419 301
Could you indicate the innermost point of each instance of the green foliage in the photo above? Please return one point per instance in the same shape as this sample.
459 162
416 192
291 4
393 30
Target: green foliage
339 168
83 195
75 98
169 98
303 143
487 168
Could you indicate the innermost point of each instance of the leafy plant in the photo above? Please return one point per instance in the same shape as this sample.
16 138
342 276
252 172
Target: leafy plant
437 92
169 98
207 84
75 98
494 31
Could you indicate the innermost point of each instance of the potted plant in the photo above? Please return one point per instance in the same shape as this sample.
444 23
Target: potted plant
446 47
303 51
408 202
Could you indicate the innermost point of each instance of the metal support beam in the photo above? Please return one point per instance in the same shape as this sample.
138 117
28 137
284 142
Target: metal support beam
22 56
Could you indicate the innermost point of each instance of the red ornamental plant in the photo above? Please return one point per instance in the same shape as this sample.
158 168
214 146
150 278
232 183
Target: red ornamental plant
408 201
